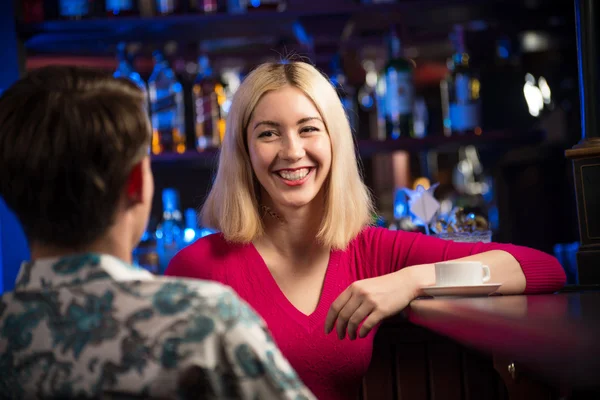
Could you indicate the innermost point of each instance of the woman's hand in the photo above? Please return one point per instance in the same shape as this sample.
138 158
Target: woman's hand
370 301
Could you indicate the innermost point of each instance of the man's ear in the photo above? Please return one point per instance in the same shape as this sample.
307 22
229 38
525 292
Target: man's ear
135 183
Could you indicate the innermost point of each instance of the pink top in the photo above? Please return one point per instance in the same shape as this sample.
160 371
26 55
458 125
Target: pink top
331 368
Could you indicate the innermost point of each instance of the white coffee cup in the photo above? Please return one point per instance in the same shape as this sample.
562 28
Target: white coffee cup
461 273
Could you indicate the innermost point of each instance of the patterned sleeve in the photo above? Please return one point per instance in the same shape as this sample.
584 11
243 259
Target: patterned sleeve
258 366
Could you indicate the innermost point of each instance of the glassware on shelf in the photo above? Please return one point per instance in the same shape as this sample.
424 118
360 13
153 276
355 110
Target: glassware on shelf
125 68
266 5
345 92
467 237
208 95
460 91
75 9
165 93
168 7
397 87
170 231
121 8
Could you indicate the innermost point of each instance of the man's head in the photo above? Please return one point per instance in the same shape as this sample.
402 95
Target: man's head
73 156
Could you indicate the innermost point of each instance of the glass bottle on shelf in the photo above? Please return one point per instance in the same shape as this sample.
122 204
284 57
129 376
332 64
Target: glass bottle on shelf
167 7
207 95
121 8
167 108
125 68
169 232
461 106
398 90
345 92
266 5
75 9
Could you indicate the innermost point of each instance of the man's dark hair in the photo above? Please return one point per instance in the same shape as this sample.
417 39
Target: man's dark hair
69 137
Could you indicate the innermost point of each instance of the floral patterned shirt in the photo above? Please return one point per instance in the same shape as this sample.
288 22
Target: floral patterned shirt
91 325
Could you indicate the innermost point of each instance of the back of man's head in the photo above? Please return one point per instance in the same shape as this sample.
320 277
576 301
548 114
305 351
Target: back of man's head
69 138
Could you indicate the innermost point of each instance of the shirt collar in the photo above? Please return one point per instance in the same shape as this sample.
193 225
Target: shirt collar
77 269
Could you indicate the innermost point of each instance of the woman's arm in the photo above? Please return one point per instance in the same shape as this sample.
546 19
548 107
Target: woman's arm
504 268
519 269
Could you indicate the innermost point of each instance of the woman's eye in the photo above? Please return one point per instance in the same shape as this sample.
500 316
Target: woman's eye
266 134
309 129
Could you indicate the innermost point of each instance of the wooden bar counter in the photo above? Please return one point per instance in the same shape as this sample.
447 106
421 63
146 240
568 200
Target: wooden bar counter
498 347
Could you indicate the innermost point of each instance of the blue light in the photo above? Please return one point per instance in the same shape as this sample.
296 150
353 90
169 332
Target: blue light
367 101
503 52
255 3
399 210
189 235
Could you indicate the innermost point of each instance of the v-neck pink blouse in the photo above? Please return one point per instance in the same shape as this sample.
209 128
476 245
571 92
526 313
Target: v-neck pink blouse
331 368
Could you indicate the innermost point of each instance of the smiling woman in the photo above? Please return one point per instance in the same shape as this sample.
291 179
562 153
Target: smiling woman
295 239
290 150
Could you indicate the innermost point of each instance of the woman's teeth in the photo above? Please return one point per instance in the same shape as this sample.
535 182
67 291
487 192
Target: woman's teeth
294 175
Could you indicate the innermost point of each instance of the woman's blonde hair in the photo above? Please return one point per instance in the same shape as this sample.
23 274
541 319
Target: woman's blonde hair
232 206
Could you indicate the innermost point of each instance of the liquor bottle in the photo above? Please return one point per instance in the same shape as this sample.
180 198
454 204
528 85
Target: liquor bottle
266 5
345 92
125 68
168 7
169 232
167 108
121 8
460 91
398 91
207 96
75 9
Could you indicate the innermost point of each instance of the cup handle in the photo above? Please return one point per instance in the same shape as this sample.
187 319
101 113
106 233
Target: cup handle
486 274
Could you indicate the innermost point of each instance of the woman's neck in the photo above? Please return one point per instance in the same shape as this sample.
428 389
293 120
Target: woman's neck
292 232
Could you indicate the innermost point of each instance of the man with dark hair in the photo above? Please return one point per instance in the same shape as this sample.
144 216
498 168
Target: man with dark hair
82 321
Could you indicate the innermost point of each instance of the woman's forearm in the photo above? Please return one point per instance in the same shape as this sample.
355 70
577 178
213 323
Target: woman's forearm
504 269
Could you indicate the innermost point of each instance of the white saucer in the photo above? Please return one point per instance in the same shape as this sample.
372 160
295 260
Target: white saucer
462 291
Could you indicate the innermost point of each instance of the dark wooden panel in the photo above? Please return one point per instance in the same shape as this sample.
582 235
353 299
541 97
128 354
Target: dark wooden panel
378 384
411 371
480 380
444 371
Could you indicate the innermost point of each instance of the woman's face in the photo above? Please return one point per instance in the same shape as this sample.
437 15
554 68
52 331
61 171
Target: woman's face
290 149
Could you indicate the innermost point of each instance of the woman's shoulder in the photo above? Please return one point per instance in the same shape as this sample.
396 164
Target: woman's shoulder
210 253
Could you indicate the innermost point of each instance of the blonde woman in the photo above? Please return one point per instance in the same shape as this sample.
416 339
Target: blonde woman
295 239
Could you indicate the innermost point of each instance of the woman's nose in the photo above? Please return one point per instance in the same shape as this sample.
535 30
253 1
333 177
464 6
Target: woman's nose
292 148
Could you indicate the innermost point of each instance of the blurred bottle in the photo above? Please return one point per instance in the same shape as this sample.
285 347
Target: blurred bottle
345 92
167 107
145 254
169 232
398 97
75 9
125 68
168 7
420 118
236 6
209 6
207 95
121 8
266 5
192 230
460 91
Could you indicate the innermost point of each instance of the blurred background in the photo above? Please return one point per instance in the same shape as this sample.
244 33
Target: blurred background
473 101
